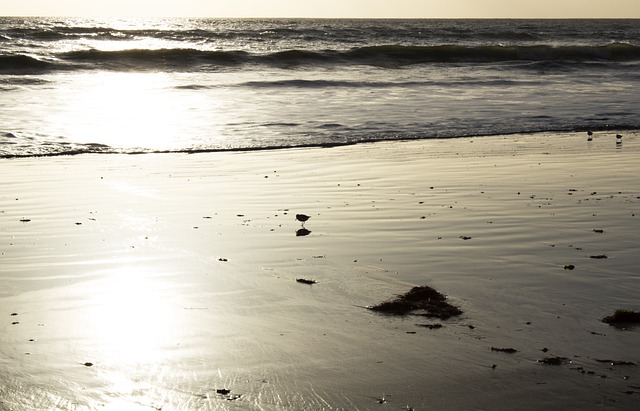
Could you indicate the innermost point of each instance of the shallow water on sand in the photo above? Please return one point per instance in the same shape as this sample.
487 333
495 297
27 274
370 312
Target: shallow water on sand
174 277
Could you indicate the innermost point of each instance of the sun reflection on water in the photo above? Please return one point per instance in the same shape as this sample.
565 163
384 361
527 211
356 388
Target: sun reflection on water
128 110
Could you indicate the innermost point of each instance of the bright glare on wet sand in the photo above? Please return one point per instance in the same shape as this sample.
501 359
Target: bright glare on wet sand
169 281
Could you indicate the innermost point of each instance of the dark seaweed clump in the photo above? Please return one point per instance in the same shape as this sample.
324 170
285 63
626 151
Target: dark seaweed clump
623 317
505 350
425 299
554 360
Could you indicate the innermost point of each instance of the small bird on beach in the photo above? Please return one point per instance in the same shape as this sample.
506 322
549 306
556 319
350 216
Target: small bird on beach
302 218
590 134
618 138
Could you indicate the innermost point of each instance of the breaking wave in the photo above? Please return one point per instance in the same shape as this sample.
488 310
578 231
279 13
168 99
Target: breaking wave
387 56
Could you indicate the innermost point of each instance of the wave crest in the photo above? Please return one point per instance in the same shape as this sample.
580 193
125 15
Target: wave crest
21 63
388 56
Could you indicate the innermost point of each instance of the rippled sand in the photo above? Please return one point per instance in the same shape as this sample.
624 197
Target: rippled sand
169 281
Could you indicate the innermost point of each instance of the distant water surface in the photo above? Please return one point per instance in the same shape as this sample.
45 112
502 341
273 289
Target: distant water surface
146 85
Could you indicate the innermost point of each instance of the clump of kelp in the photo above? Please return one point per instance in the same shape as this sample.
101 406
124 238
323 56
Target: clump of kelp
623 317
422 300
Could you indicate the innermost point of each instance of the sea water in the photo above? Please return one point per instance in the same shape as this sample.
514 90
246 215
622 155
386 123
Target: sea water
161 85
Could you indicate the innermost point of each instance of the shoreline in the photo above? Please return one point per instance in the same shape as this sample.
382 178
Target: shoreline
174 276
598 133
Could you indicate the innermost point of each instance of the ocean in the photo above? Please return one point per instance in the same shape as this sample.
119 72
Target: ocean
73 86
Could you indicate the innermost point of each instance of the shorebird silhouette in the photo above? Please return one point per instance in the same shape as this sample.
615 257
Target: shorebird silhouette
302 218
618 139
590 134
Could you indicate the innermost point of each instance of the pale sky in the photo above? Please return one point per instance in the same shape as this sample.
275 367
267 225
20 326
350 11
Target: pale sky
326 8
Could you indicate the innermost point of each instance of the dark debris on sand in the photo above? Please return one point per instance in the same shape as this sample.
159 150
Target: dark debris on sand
504 350
615 362
430 326
622 317
426 300
554 360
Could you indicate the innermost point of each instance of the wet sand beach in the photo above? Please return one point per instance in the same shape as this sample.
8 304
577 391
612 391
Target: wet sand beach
170 281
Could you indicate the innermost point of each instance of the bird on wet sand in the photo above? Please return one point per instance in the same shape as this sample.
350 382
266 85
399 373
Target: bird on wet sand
590 134
302 218
618 138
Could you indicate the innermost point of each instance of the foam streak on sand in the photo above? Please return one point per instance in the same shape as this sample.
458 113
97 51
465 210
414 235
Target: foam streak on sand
174 276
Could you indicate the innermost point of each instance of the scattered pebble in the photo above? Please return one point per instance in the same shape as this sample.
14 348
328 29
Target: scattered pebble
306 281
